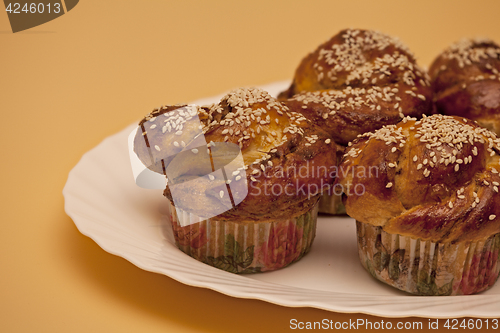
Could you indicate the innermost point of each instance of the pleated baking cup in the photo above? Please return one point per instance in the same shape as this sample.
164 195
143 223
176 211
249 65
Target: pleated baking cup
427 268
245 247
331 204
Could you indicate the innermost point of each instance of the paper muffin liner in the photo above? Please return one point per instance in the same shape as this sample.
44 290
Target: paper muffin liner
246 247
427 268
331 204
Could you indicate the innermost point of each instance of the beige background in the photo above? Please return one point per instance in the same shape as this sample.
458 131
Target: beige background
68 84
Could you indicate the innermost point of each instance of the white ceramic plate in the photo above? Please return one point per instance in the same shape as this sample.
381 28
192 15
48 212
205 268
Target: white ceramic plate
106 205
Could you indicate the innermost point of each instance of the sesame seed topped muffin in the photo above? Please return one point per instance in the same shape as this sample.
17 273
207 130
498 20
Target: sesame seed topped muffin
357 82
466 81
359 58
429 221
242 190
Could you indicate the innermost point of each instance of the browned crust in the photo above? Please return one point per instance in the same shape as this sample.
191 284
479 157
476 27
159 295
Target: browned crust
432 202
346 114
466 82
274 153
356 58
359 81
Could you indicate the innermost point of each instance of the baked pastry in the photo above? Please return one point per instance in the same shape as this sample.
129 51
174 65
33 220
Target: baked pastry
357 82
361 59
466 82
255 215
425 197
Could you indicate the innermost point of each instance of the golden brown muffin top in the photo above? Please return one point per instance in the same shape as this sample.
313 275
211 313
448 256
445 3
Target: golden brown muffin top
466 82
357 58
346 113
468 59
286 160
436 179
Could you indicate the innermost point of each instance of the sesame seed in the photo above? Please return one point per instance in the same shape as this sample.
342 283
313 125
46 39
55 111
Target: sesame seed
457 167
253 179
221 194
492 217
450 204
327 141
157 148
211 177
415 158
176 143
389 185
194 151
393 149
238 178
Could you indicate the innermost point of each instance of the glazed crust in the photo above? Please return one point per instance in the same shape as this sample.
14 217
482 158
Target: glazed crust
357 58
359 81
434 179
346 114
466 82
280 150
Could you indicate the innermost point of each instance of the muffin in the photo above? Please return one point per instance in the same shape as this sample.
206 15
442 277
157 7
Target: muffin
466 82
243 193
424 194
357 82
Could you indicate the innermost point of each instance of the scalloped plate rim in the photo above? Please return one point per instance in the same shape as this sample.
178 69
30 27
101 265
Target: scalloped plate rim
371 307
